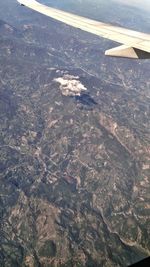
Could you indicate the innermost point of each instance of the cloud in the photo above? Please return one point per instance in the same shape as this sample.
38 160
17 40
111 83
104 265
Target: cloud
70 85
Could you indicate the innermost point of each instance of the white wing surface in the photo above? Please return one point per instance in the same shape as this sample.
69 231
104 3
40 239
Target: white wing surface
134 44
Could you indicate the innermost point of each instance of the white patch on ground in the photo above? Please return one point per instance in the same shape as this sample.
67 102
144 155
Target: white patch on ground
70 85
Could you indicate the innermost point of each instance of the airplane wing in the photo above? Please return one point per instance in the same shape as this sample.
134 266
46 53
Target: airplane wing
134 44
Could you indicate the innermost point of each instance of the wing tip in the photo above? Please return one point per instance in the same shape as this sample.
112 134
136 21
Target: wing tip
127 52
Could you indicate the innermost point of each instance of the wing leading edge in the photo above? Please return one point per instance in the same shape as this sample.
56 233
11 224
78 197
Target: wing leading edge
134 44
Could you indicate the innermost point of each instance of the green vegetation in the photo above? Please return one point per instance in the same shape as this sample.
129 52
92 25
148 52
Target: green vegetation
48 249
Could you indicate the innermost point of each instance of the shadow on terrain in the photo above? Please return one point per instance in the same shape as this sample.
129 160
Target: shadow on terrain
86 100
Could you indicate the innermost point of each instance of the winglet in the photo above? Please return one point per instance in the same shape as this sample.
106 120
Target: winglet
128 52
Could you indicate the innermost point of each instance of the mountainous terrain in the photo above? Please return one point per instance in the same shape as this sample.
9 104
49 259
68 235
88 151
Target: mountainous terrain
74 167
